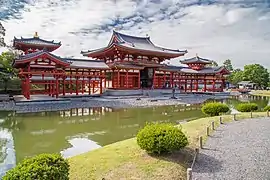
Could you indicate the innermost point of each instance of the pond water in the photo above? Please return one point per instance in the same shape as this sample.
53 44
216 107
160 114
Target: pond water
76 131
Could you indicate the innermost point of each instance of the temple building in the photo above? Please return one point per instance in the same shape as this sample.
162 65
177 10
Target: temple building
126 63
42 72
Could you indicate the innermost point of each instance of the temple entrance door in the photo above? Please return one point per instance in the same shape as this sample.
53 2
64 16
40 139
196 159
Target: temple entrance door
147 77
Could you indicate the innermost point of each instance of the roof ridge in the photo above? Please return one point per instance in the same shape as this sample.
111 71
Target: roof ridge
36 38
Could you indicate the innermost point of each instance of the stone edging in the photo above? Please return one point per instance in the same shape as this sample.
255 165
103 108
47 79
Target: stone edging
212 126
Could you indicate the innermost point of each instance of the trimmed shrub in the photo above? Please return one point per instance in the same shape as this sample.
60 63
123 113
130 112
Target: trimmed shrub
247 107
43 166
214 109
266 108
161 138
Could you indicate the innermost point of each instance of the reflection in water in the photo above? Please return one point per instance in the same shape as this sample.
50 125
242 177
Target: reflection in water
7 159
76 131
79 146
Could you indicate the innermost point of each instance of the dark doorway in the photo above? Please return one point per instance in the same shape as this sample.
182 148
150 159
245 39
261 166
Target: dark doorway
147 75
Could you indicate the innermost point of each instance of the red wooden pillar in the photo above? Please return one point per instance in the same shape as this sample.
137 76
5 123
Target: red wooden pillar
118 78
100 86
126 79
139 79
197 84
105 81
223 85
77 83
70 82
27 87
154 79
171 80
56 88
164 79
113 81
185 84
214 85
64 86
191 84
179 81
205 85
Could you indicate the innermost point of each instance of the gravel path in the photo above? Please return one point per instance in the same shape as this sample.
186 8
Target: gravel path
236 151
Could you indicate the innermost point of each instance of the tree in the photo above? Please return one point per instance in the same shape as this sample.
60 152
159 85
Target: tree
228 65
256 73
7 72
2 34
213 64
236 76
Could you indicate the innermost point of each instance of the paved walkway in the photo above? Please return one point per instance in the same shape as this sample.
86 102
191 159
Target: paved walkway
236 151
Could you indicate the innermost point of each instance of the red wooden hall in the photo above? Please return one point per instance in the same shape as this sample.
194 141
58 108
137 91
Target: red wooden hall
126 63
42 72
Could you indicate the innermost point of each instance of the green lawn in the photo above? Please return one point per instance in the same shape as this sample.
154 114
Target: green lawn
125 160
261 93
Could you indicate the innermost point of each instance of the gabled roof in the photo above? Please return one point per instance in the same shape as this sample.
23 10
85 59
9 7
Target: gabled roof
31 56
139 45
36 41
207 70
86 64
197 60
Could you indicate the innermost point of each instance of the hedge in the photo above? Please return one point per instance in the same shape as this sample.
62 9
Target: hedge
161 138
214 109
41 167
247 107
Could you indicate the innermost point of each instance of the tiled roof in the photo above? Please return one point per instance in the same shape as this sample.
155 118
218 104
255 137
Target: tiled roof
196 59
136 43
85 63
126 65
36 41
38 53
207 70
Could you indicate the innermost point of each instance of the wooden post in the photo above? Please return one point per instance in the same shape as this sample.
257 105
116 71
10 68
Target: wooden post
220 120
250 114
208 131
267 113
213 125
201 142
197 152
189 174
234 117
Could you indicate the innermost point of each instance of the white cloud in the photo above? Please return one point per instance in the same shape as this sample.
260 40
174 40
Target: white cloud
233 29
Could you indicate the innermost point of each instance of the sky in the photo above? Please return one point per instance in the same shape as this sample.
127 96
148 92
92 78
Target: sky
215 29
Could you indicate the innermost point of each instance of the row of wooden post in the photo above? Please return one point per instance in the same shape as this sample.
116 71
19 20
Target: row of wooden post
189 170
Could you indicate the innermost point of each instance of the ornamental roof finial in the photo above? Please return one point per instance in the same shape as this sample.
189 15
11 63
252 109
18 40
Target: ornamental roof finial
36 35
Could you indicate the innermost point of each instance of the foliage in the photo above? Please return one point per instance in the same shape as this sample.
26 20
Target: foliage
161 138
213 64
214 109
256 73
266 108
7 71
236 76
228 65
43 166
247 107
2 34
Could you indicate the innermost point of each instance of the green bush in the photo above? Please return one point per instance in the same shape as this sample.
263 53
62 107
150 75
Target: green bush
266 108
247 107
161 138
41 167
214 109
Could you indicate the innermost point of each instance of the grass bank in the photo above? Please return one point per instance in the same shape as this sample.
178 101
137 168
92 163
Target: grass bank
261 93
125 160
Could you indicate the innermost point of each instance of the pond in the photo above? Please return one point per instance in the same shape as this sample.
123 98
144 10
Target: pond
77 131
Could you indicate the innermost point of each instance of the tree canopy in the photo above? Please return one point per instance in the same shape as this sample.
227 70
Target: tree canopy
2 34
228 65
257 74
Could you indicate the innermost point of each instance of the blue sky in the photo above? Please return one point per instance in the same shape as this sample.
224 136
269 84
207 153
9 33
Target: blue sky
217 29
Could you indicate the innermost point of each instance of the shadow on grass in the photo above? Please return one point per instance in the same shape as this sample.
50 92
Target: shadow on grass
183 157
